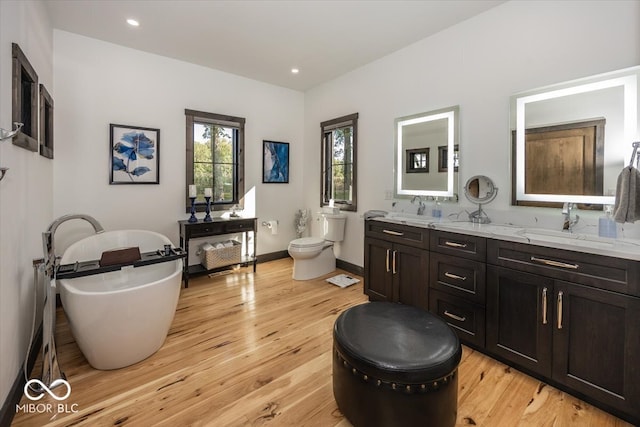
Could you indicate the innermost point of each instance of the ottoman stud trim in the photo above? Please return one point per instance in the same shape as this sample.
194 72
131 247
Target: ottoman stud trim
405 388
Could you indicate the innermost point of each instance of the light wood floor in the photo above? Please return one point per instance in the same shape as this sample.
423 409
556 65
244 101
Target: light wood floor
255 349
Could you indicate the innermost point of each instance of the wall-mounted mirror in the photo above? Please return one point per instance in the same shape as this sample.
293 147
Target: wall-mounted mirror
426 154
571 140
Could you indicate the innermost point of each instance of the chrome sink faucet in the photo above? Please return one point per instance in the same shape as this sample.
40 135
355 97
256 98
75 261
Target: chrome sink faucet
569 222
421 206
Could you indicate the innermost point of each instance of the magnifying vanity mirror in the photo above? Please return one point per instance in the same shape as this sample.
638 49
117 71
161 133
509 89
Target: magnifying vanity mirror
481 190
426 154
571 140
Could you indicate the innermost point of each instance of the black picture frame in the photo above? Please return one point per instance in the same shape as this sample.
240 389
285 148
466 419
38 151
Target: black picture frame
46 123
24 100
443 160
134 155
275 162
417 160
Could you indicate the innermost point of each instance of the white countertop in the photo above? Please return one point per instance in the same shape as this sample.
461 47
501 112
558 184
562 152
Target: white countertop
619 248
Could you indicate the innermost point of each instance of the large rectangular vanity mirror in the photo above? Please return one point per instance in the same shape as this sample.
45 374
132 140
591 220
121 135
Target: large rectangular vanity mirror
571 140
427 154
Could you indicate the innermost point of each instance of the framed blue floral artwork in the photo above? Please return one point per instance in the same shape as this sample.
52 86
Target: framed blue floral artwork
275 162
134 156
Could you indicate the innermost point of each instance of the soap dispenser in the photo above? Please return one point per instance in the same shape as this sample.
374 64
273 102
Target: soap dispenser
606 224
436 212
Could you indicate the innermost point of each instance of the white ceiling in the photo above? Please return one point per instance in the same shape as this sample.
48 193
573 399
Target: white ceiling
263 40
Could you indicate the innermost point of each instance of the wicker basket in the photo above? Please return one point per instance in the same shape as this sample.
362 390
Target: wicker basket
219 257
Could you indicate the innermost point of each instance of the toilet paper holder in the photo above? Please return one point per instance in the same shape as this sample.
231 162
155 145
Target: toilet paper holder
271 225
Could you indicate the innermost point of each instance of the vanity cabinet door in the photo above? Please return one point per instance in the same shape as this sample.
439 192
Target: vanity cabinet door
519 318
596 344
378 278
411 267
396 273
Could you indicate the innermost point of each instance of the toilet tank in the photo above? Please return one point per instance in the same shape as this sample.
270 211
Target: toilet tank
333 226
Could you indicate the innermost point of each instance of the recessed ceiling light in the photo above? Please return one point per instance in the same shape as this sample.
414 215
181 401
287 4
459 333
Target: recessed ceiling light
133 22
295 71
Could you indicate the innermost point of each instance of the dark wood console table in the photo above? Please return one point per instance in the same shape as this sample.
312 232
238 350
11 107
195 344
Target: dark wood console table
217 227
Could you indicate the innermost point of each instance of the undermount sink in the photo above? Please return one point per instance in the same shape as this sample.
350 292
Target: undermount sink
574 239
411 218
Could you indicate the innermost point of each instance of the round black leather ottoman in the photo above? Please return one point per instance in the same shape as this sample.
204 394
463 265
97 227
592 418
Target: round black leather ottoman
395 365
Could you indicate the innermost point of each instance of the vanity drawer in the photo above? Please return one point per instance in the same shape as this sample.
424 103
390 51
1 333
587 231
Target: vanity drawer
458 276
603 272
206 229
239 226
467 319
417 237
460 245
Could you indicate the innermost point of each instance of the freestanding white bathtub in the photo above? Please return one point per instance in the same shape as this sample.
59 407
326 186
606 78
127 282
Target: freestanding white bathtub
122 317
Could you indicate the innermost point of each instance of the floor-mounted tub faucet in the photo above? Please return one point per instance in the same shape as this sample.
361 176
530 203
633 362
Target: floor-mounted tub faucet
51 374
569 222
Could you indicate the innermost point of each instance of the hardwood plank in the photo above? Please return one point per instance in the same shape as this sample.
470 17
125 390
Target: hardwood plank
255 349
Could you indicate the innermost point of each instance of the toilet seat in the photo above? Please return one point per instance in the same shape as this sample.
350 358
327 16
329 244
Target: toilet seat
306 244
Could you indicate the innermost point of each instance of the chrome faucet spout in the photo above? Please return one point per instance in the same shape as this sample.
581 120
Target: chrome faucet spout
91 220
421 205
569 222
48 238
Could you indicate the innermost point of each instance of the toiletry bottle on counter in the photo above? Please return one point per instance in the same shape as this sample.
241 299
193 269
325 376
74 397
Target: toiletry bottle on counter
606 224
436 212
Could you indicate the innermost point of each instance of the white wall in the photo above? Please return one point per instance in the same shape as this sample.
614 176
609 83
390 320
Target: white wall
98 83
25 192
478 65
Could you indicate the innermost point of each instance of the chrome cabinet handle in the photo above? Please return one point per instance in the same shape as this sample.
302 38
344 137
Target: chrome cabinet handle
560 310
454 276
455 245
393 233
544 306
554 263
387 261
394 262
454 316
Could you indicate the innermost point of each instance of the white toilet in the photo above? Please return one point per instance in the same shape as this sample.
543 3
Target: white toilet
313 256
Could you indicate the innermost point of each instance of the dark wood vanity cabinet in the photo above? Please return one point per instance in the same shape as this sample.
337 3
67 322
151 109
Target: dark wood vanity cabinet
397 263
570 318
572 332
457 283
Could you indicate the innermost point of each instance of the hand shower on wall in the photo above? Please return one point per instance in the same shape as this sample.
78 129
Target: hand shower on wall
6 135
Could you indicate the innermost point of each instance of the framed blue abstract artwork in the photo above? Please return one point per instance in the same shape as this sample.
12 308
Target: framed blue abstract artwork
134 156
275 162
